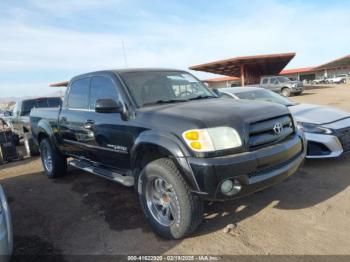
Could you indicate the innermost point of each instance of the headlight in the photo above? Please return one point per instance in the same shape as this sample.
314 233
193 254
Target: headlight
212 139
313 128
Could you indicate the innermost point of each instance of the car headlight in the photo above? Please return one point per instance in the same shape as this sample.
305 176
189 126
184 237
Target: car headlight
313 128
212 139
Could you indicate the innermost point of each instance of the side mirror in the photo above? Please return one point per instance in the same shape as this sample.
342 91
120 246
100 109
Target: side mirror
108 105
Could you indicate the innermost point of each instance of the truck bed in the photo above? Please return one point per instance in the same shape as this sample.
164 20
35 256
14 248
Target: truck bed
49 114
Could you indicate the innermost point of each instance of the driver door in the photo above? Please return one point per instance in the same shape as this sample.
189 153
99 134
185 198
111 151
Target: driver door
112 139
274 86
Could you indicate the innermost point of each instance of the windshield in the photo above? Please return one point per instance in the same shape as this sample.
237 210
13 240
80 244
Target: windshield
266 96
152 87
283 79
28 105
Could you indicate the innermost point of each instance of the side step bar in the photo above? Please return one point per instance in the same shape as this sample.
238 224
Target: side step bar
105 173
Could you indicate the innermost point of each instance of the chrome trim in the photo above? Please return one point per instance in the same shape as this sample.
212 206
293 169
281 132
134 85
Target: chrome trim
95 147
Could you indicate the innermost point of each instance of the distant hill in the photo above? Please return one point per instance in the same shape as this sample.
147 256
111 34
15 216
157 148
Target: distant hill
15 99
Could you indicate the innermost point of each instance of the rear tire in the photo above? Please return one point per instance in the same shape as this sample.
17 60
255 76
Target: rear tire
286 91
54 163
31 148
166 199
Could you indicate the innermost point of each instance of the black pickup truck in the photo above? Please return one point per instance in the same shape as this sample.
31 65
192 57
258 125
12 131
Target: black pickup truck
168 135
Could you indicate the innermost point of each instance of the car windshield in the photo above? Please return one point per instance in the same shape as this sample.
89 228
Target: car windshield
264 95
155 87
283 79
28 105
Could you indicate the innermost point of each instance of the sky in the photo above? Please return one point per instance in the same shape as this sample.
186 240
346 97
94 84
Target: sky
42 42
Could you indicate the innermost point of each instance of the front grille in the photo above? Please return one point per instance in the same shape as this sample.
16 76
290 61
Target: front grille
262 133
344 136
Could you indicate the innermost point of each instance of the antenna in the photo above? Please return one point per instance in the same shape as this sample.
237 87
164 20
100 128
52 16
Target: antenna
124 54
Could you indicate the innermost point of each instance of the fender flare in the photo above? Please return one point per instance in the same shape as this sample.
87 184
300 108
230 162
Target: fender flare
169 145
45 128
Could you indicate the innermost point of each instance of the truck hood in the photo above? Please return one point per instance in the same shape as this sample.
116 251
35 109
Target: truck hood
316 114
212 113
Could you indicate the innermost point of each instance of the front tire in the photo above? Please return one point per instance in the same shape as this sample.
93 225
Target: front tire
166 199
54 163
286 92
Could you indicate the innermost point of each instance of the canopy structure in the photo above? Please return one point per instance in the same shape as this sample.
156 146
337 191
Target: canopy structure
297 70
60 84
248 68
338 63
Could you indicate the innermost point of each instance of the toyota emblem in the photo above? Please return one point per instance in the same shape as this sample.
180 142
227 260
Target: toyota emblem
278 128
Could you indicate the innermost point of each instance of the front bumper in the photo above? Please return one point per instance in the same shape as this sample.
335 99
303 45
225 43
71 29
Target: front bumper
330 145
254 170
298 89
323 146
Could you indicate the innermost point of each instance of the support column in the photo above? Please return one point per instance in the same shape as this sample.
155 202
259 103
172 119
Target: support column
242 75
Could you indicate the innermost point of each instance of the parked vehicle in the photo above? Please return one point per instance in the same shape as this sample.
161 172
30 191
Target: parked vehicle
6 232
339 79
322 80
327 129
20 120
282 85
164 132
5 113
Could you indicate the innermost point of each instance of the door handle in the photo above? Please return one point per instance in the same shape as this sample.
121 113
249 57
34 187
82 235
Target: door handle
89 124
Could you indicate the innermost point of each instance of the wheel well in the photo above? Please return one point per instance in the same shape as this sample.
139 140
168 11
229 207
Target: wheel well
147 154
41 136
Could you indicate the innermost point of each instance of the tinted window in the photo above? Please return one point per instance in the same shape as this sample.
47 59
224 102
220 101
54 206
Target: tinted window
79 94
28 105
265 80
266 96
151 87
273 81
283 79
102 87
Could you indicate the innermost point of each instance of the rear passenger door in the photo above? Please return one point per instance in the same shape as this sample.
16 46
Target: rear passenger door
73 119
112 139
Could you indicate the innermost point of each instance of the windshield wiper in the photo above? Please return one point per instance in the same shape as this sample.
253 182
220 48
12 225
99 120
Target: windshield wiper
201 97
166 101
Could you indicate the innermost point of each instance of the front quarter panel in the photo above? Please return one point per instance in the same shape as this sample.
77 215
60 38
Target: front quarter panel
167 144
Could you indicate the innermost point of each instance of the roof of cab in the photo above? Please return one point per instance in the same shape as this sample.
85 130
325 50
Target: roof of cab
117 71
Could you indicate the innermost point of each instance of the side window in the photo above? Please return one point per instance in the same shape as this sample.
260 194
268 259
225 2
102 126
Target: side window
273 81
79 94
102 87
265 81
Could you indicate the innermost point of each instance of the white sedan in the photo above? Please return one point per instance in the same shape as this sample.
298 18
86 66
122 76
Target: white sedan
327 129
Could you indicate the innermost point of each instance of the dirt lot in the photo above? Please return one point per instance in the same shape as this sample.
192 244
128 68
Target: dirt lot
83 214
